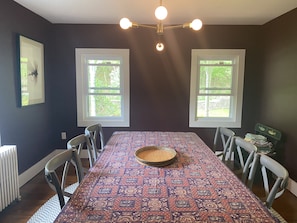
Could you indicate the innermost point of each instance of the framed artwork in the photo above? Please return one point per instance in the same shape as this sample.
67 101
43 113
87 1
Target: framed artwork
31 67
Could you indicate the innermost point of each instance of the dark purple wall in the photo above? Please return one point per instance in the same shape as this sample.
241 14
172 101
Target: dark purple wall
278 106
160 83
29 127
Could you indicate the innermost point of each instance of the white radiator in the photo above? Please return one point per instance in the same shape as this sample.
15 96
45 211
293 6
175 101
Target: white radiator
9 179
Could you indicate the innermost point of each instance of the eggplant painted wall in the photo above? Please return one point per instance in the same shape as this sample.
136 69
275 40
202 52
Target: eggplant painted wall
279 90
30 127
160 83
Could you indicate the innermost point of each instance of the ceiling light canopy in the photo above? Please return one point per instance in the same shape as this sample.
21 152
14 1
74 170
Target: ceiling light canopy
161 14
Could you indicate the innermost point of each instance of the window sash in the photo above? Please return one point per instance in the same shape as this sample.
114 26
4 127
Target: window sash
90 91
211 58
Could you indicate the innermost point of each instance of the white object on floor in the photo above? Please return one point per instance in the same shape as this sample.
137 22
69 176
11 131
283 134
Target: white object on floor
49 211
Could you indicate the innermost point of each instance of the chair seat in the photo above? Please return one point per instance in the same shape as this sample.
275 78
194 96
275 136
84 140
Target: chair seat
49 211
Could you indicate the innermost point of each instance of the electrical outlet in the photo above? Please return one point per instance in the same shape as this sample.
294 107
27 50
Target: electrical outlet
63 135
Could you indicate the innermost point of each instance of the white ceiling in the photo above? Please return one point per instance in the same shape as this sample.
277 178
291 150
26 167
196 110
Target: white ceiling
211 12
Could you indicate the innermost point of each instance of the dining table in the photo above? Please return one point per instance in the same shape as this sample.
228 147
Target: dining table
193 186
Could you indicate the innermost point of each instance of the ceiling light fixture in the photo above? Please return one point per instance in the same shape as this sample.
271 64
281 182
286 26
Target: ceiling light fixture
161 14
160 46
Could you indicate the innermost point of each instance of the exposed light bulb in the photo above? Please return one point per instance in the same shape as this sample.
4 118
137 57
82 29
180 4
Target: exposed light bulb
161 12
125 23
160 46
196 24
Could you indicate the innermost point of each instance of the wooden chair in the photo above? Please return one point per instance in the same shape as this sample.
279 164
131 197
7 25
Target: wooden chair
81 142
67 156
222 140
247 157
48 212
95 134
275 178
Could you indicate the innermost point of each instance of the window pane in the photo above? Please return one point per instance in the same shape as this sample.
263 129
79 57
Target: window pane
216 87
213 106
103 88
104 106
107 62
104 76
215 80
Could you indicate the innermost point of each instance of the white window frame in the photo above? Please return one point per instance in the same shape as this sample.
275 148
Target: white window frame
82 55
238 56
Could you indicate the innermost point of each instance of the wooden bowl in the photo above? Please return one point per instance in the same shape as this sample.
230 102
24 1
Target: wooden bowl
155 155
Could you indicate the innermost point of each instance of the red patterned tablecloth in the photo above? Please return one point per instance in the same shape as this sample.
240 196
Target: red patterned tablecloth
197 187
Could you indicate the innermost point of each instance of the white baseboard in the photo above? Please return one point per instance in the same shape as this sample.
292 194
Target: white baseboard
292 186
36 168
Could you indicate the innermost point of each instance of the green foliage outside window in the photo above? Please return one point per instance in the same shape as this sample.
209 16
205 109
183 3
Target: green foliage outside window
215 88
104 88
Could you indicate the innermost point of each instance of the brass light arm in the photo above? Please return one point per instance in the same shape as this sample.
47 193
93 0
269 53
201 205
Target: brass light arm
161 14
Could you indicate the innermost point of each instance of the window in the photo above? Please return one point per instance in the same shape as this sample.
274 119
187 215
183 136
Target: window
216 88
102 84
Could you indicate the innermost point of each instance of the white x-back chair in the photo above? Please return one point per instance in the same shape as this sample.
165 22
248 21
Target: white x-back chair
275 179
276 184
223 138
247 156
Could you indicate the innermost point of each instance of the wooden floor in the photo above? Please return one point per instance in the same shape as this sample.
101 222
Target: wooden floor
36 192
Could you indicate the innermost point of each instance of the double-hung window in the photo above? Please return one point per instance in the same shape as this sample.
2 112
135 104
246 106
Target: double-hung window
102 83
216 89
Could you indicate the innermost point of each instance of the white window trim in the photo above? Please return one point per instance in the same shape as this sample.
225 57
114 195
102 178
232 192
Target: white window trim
81 54
235 121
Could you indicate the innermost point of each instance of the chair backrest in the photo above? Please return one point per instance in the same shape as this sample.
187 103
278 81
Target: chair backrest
57 161
276 183
223 138
80 142
247 156
241 145
96 137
